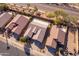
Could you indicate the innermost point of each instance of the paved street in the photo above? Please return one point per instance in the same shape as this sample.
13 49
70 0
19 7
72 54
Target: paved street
13 51
52 8
45 7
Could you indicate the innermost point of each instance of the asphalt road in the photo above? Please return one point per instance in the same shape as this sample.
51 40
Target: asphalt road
13 51
45 7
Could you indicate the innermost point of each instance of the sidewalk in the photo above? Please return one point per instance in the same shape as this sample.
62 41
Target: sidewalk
21 46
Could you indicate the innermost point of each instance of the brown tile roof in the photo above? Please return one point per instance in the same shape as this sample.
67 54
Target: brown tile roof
10 25
59 34
55 33
22 22
39 30
5 18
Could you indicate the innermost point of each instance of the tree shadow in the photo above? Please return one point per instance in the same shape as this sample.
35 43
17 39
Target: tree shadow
2 30
27 49
36 42
58 46
47 34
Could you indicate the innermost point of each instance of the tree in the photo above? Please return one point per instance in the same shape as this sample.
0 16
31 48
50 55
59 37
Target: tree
50 15
60 12
57 21
23 39
70 22
3 6
60 15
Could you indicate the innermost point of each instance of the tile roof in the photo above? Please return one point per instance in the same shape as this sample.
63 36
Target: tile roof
10 25
5 18
55 33
22 22
38 30
58 33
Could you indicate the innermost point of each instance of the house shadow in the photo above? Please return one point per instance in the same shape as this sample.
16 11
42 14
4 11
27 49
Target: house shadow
47 34
15 35
58 46
51 50
38 44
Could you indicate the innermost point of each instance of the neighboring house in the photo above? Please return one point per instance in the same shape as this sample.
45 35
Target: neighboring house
10 25
36 30
5 18
59 33
55 33
21 22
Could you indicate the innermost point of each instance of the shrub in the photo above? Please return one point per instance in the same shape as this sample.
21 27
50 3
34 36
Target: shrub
3 6
23 39
49 26
60 12
57 21
50 15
